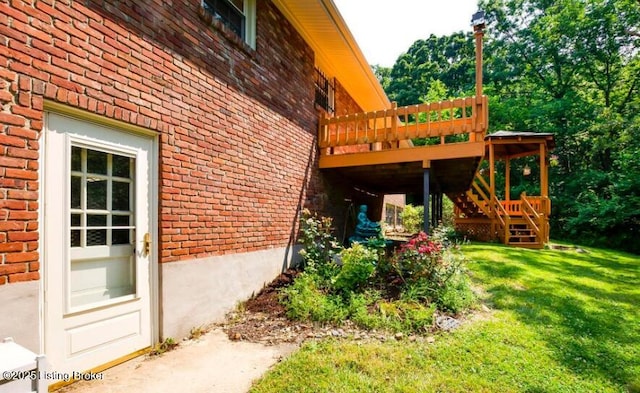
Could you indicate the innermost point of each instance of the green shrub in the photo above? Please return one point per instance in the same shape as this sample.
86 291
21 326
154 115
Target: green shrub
360 309
432 271
418 259
413 218
304 300
406 316
456 295
424 274
358 264
420 291
446 235
320 247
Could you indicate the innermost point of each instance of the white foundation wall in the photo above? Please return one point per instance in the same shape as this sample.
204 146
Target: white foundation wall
20 314
197 292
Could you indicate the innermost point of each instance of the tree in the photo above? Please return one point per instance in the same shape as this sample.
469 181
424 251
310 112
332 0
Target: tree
383 74
448 59
570 67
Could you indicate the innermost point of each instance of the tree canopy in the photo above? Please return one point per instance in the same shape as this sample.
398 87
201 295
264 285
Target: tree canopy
570 67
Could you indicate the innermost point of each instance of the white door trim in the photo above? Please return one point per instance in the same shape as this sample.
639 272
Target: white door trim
75 114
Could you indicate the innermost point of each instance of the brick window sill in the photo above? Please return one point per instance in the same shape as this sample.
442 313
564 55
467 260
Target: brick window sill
220 27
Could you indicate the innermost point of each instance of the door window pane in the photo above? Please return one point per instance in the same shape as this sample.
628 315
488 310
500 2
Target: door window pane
104 182
121 166
75 238
120 197
96 220
96 193
120 221
76 159
120 236
96 162
97 237
76 220
76 192
101 216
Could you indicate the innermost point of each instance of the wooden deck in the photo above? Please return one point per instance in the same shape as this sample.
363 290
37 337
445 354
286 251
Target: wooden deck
374 150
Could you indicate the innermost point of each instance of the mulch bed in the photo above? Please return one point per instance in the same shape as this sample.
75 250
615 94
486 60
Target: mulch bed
262 319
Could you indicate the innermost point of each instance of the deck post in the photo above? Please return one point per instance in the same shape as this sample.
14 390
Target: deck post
544 190
544 173
478 23
426 179
492 187
437 209
441 206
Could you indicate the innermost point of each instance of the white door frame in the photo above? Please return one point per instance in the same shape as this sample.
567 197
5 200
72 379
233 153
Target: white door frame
80 115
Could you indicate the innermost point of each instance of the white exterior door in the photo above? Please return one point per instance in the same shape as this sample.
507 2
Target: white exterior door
97 193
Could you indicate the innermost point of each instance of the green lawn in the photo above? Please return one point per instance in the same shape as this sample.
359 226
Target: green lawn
562 321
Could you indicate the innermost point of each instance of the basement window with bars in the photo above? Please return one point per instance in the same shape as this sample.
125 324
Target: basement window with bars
237 15
325 92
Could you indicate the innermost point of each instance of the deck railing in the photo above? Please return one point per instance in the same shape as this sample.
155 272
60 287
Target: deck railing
432 120
540 205
534 219
480 195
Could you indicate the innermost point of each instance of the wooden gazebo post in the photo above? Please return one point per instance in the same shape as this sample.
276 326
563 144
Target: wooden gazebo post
492 186
544 174
544 190
507 179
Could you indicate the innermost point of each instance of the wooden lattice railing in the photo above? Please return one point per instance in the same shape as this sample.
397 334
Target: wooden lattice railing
433 120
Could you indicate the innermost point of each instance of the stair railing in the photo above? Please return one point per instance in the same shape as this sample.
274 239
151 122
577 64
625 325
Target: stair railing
531 216
502 218
482 190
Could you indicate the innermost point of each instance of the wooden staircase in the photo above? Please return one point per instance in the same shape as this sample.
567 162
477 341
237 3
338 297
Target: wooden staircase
521 223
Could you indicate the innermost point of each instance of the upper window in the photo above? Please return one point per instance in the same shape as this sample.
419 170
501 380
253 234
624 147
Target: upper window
325 92
237 15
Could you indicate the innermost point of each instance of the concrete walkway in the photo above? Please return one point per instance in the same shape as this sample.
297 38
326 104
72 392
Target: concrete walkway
211 364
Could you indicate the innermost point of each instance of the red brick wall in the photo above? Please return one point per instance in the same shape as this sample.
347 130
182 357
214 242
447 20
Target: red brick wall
237 125
20 125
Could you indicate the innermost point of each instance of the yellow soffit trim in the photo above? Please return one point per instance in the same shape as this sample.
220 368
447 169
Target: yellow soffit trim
337 53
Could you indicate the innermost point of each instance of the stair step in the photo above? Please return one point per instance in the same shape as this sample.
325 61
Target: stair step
527 244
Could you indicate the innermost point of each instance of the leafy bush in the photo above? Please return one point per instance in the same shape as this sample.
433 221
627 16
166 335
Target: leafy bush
413 218
358 264
456 294
320 247
360 306
418 259
433 273
401 315
400 292
304 300
447 236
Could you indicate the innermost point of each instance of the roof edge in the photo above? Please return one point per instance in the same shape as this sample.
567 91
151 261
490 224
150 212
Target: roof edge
376 98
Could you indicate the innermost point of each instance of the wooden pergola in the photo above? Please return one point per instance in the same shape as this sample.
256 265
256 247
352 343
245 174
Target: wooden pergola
508 145
523 221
